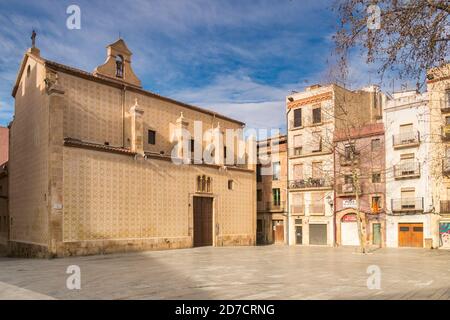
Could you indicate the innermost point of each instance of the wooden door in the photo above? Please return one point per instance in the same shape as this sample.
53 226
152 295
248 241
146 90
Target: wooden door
203 221
279 233
376 234
410 235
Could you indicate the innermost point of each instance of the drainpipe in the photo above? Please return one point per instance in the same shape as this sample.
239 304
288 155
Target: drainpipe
287 182
334 198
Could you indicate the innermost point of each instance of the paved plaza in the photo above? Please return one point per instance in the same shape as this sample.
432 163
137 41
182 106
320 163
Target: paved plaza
269 272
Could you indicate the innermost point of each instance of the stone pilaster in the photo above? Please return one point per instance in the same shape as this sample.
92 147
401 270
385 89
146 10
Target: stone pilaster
218 146
183 144
55 164
137 129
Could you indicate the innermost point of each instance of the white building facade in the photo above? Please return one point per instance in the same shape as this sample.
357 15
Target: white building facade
410 221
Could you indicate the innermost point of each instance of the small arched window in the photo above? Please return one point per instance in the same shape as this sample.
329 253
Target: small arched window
204 184
28 71
119 66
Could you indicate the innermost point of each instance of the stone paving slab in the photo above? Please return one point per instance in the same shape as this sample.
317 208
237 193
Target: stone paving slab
269 272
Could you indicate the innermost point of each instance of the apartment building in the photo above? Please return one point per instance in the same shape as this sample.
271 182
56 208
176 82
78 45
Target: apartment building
272 191
4 214
360 154
411 220
313 115
438 87
92 165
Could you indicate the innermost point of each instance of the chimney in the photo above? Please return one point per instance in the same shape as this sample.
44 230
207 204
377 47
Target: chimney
313 87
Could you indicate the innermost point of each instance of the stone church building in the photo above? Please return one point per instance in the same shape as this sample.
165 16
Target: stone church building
91 168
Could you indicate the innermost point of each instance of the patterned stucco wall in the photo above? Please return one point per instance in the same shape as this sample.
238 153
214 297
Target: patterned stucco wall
110 196
28 168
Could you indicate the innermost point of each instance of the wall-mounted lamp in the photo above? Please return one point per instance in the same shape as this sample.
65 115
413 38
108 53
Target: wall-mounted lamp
330 201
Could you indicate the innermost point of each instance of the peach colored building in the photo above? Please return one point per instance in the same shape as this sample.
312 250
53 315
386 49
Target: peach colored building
92 165
4 145
360 149
313 116
4 215
272 191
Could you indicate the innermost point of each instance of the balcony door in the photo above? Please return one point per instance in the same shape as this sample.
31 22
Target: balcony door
406 133
298 171
276 197
317 170
408 200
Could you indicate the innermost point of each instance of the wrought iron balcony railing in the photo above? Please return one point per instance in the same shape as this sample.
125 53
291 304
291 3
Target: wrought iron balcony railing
406 139
275 205
407 170
310 183
407 205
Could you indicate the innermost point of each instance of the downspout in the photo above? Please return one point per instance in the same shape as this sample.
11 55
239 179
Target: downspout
334 197
287 182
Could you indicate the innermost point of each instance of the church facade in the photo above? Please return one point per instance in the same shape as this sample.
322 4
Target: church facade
92 167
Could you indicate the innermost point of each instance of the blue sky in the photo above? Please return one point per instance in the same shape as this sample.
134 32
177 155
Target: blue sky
239 58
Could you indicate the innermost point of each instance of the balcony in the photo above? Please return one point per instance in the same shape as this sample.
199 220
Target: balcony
407 205
445 133
277 206
298 209
310 183
445 206
446 166
407 170
347 189
348 161
406 140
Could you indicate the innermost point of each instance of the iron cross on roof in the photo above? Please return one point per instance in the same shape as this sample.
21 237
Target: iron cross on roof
33 39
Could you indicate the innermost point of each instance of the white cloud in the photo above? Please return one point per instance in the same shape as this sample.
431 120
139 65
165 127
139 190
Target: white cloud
240 97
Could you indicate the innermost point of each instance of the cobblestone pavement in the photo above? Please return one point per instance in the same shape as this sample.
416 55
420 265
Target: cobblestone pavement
270 272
